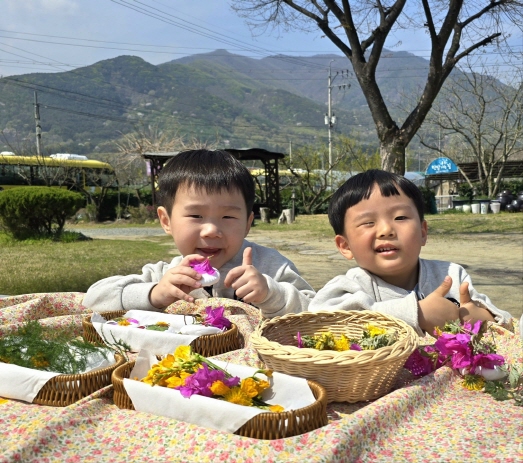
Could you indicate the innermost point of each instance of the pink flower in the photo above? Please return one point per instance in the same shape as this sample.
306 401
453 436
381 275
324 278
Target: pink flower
215 318
457 346
355 346
474 329
419 364
203 268
486 361
299 339
200 382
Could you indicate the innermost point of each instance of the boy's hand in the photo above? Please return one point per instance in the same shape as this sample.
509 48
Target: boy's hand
470 311
435 310
177 283
250 285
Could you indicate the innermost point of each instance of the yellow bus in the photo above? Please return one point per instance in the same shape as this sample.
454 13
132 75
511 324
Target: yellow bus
70 171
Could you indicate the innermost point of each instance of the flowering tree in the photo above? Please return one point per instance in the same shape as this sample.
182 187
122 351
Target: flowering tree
360 29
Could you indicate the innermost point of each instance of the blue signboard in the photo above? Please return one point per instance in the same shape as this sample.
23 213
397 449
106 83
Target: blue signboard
441 166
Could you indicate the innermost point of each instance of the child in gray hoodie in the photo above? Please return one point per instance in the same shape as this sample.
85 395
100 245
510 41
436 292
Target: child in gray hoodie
378 220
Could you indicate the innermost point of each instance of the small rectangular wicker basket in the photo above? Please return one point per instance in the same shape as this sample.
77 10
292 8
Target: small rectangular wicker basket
348 376
207 345
263 426
64 390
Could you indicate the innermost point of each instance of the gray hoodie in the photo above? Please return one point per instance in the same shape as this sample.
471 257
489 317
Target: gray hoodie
359 289
288 291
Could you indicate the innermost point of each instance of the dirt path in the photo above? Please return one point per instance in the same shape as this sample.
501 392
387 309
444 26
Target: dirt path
494 262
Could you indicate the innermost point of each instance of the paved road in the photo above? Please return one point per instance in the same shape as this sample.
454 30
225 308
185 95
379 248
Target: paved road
127 231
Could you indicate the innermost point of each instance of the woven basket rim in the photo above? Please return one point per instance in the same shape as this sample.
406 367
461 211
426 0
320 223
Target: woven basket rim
320 396
119 313
263 344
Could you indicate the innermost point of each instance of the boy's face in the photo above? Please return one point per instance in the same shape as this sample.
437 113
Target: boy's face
207 224
385 235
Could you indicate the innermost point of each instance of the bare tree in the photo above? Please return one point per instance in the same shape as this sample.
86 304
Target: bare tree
484 120
360 28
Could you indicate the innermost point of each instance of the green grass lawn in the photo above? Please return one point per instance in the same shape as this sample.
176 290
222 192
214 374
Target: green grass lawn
45 266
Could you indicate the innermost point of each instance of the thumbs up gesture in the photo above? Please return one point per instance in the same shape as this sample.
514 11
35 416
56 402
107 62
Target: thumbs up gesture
469 310
250 285
435 310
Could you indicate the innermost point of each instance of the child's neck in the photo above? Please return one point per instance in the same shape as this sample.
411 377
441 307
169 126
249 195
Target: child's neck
405 281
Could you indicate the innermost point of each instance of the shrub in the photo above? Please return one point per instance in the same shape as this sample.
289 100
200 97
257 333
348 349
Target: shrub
34 212
142 214
429 201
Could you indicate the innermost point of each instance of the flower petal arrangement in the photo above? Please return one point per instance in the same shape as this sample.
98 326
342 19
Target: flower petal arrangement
463 347
191 373
372 338
210 275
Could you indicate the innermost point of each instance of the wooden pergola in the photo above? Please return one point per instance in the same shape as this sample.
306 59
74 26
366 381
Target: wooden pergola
268 158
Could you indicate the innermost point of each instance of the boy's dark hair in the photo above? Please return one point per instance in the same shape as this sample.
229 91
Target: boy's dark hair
212 171
359 187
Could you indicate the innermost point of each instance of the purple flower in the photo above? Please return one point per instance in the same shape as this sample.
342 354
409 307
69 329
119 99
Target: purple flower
299 339
215 318
419 364
200 382
355 346
203 268
474 329
486 361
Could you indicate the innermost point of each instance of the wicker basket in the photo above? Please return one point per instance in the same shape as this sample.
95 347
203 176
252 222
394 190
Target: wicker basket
263 426
64 390
207 345
348 376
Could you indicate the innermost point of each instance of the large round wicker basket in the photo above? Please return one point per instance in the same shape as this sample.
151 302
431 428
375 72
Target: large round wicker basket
64 390
263 426
207 345
348 376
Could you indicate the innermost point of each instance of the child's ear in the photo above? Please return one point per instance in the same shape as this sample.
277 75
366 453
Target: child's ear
249 224
343 246
165 221
424 232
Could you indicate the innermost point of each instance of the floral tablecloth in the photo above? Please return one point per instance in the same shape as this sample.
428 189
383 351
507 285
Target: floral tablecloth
432 419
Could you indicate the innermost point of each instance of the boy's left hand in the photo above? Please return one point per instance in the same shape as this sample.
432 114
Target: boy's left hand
250 285
470 311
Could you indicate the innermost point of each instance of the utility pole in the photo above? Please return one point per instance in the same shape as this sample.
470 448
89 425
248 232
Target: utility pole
38 127
290 154
330 118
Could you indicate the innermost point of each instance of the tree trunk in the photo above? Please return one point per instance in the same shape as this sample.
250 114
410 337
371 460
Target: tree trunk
393 156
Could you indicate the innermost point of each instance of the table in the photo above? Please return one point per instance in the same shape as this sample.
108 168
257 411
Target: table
432 419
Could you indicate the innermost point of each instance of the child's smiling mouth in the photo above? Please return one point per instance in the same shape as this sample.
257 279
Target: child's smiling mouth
208 252
386 249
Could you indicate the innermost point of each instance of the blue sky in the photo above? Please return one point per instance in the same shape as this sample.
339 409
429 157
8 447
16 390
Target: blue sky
57 35
64 32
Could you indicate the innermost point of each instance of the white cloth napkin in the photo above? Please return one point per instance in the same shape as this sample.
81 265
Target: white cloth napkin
157 342
25 383
289 392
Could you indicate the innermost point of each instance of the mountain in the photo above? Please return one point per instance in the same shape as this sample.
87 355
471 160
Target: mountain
242 101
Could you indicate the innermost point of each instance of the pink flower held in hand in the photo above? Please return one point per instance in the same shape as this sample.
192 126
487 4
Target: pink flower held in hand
204 268
215 318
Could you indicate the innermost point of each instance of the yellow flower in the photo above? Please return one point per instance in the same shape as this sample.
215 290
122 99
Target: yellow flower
262 385
473 382
174 381
374 330
437 331
342 343
124 322
39 361
276 408
249 387
162 324
267 373
219 388
168 361
237 396
183 352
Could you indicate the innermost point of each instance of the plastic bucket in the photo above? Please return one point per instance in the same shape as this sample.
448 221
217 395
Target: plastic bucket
475 208
466 207
483 208
495 207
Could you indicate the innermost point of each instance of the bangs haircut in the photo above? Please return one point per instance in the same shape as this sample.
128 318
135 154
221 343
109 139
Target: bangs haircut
204 170
359 187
